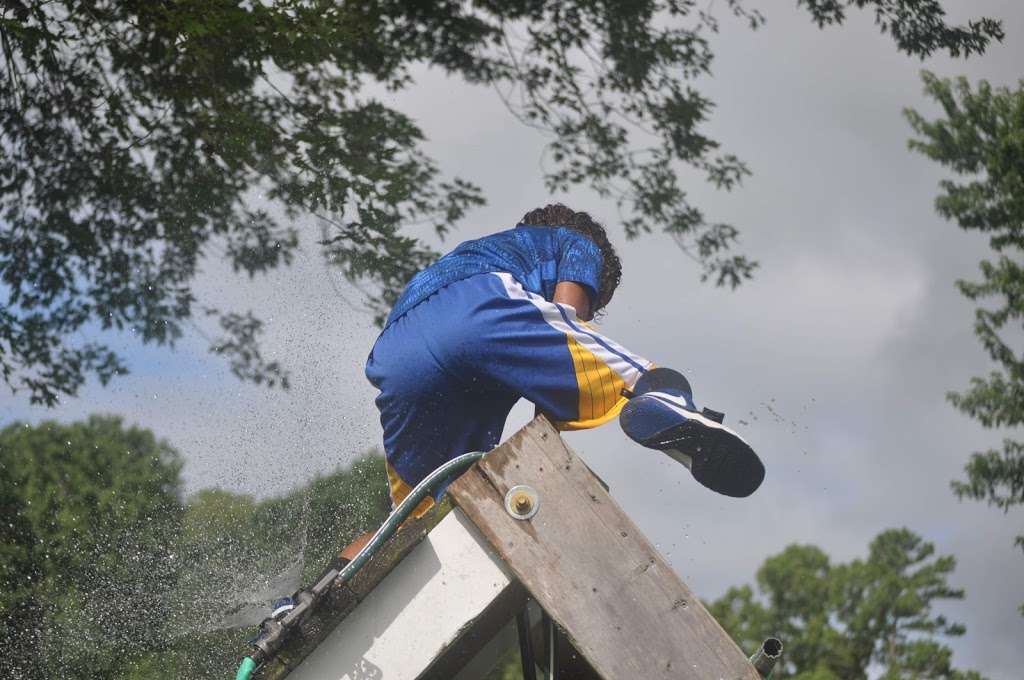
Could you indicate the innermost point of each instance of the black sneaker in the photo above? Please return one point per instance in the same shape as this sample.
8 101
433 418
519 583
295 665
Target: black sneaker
661 415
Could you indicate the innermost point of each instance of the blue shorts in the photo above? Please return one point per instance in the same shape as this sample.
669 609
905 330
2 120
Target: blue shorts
451 368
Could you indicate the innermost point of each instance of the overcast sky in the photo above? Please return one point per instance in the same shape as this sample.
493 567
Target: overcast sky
837 356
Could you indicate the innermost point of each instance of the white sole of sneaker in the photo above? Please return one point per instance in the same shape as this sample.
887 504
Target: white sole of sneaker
680 406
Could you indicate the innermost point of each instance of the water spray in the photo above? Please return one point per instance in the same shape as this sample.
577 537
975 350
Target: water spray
290 612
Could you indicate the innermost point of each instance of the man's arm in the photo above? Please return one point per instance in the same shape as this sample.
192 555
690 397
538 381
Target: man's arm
572 293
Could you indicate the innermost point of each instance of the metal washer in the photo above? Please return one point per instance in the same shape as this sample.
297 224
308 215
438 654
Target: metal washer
515 498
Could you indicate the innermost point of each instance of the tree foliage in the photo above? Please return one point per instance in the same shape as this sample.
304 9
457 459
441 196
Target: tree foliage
106 572
980 138
91 511
918 27
137 138
838 620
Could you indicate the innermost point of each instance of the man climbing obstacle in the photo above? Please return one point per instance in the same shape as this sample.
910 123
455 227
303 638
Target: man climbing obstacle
505 317
501 318
497 319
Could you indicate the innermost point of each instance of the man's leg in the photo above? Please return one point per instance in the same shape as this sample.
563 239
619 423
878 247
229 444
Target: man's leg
540 350
581 378
431 411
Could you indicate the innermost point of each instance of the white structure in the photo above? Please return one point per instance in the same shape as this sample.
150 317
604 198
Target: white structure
535 555
417 612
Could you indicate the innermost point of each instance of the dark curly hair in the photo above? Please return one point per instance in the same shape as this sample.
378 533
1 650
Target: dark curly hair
558 215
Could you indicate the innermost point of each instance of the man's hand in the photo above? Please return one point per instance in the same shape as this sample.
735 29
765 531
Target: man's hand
572 293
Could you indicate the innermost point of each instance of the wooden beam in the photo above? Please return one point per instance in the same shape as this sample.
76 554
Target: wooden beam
583 560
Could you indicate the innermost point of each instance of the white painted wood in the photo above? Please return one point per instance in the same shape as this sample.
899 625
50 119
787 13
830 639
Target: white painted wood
416 611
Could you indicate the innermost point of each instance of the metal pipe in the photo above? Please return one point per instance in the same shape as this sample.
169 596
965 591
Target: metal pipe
552 642
765 658
526 644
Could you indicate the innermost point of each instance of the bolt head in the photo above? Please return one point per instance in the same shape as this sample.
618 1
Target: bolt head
521 502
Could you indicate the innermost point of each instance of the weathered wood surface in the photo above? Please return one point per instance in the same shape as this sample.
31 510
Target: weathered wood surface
590 568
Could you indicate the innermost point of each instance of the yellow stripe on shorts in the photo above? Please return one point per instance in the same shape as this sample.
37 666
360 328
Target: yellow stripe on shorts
600 389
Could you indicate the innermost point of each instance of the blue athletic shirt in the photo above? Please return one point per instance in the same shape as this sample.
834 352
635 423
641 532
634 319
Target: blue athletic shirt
537 257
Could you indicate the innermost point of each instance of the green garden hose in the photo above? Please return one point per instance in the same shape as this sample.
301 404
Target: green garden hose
449 470
246 669
453 468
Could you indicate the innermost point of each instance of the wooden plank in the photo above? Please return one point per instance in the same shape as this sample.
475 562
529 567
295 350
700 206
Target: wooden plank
583 560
